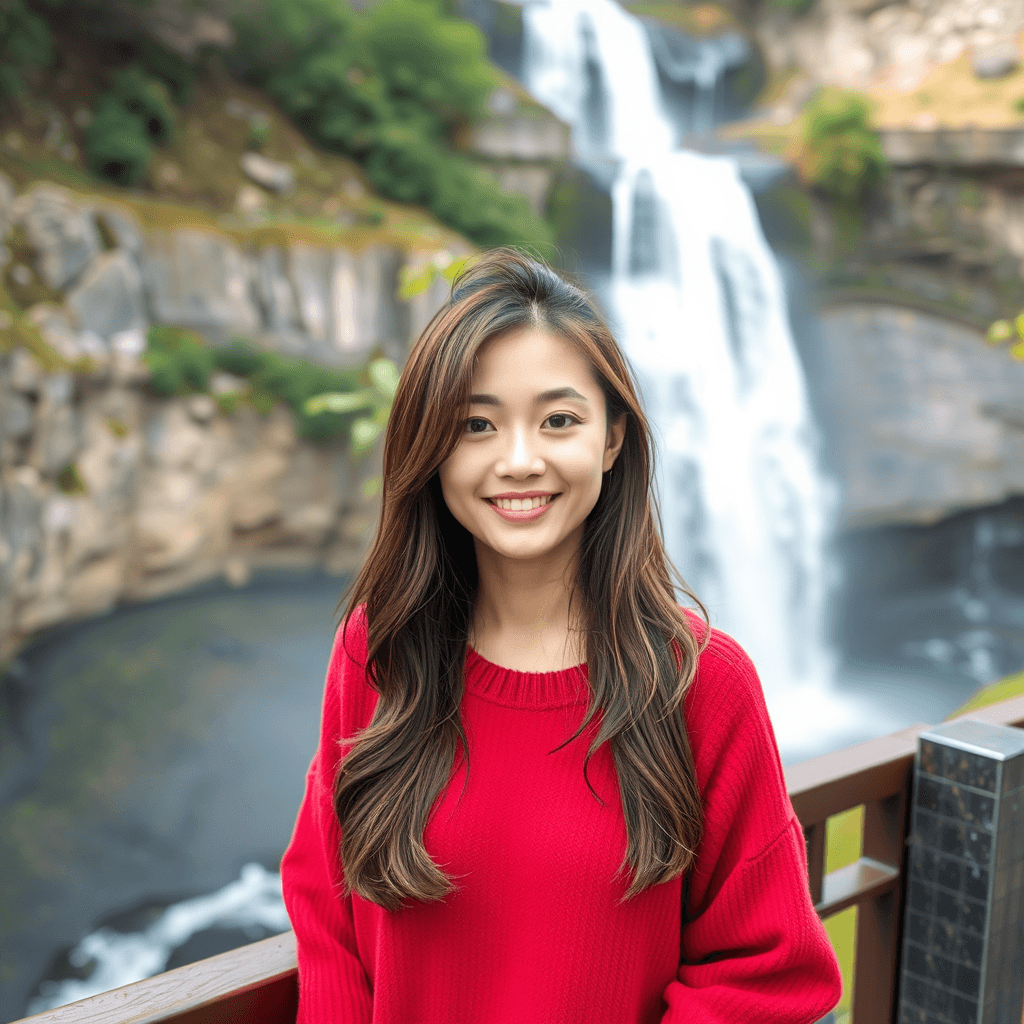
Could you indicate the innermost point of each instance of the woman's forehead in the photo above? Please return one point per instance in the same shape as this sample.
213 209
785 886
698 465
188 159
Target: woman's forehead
532 356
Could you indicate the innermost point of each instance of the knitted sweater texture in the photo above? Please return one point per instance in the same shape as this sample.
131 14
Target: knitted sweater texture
535 933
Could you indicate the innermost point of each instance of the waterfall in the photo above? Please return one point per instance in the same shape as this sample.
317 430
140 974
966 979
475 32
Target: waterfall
700 309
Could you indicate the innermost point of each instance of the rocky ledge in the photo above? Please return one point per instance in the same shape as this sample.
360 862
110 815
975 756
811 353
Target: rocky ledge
108 495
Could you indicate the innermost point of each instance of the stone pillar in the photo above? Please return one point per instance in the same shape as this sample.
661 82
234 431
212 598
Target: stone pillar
963 939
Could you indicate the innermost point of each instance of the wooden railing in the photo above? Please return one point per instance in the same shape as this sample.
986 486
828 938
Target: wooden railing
876 775
257 984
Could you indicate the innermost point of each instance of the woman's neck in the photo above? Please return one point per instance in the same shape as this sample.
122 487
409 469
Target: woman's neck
522 617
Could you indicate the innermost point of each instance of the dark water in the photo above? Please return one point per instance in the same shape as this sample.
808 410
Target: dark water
147 757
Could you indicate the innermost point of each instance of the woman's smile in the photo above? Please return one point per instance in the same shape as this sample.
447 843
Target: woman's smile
524 509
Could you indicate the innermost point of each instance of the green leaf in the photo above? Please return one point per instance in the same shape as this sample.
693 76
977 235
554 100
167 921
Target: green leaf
414 281
364 433
384 375
338 402
999 332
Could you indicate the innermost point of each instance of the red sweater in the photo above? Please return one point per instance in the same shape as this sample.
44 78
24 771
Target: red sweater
535 933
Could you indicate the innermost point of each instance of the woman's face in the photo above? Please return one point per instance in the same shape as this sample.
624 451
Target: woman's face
527 470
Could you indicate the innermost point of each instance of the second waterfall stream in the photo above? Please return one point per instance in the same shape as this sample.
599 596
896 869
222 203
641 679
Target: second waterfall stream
697 301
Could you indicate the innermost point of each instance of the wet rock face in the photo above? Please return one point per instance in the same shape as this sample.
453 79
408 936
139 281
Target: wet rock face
62 232
108 495
199 279
330 304
108 299
927 418
853 43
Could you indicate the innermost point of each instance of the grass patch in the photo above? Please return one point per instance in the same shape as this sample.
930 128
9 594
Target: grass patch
700 20
16 331
182 363
1011 686
194 180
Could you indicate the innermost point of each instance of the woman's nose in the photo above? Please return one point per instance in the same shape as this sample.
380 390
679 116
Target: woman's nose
520 458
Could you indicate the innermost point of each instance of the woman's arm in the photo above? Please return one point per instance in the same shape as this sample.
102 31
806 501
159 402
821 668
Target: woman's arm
333 984
756 950
753 948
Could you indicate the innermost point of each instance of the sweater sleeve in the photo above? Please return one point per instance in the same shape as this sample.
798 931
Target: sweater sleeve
333 984
753 947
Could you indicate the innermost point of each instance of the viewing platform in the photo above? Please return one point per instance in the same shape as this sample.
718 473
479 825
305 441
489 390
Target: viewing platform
259 982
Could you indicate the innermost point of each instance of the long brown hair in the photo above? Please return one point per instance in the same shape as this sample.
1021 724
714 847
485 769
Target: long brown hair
419 583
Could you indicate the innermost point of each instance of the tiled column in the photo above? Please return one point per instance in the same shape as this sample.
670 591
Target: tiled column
963 939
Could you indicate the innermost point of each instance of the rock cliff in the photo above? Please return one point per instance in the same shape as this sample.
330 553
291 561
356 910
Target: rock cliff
108 494
926 418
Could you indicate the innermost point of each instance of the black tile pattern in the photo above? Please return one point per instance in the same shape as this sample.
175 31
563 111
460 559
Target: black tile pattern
963 939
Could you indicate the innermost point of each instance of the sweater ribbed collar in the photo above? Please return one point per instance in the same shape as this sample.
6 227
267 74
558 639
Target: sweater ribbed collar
528 690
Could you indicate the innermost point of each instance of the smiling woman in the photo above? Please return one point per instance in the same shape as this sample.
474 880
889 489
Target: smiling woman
517 614
522 481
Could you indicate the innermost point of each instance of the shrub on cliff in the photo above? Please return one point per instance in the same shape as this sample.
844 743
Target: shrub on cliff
25 43
116 145
390 89
178 361
839 152
135 114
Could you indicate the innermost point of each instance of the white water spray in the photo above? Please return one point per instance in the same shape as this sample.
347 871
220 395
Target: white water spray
702 316
252 903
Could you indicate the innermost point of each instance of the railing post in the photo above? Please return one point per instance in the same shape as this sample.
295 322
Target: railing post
878 918
963 958
814 837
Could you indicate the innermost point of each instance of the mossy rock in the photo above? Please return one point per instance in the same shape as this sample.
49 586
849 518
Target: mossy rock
579 211
785 212
701 20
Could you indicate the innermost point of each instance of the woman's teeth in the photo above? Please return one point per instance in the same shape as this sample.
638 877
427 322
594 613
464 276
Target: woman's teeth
521 504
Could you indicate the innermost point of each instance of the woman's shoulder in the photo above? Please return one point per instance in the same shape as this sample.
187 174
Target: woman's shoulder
348 686
727 718
724 669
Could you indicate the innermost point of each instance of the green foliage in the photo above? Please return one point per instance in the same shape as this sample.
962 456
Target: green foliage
374 401
129 119
416 280
179 362
433 66
171 69
840 153
147 100
259 131
116 145
239 357
1003 331
69 480
389 89
25 43
793 6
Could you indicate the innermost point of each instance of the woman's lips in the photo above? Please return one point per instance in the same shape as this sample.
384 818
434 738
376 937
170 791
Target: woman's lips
522 515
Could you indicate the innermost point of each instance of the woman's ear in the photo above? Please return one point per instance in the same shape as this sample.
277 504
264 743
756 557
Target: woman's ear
613 442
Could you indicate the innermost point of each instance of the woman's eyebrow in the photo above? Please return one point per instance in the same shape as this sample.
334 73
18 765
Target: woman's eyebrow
554 395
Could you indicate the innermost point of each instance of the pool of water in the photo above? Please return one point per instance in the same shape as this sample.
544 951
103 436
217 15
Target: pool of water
149 756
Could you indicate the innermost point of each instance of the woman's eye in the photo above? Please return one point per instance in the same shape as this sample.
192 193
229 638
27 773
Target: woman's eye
476 425
560 420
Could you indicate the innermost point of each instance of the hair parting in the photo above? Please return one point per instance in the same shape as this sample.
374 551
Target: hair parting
419 581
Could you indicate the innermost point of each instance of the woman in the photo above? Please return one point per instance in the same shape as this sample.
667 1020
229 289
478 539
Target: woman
526 745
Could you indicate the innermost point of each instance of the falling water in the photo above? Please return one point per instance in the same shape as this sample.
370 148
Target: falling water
701 313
